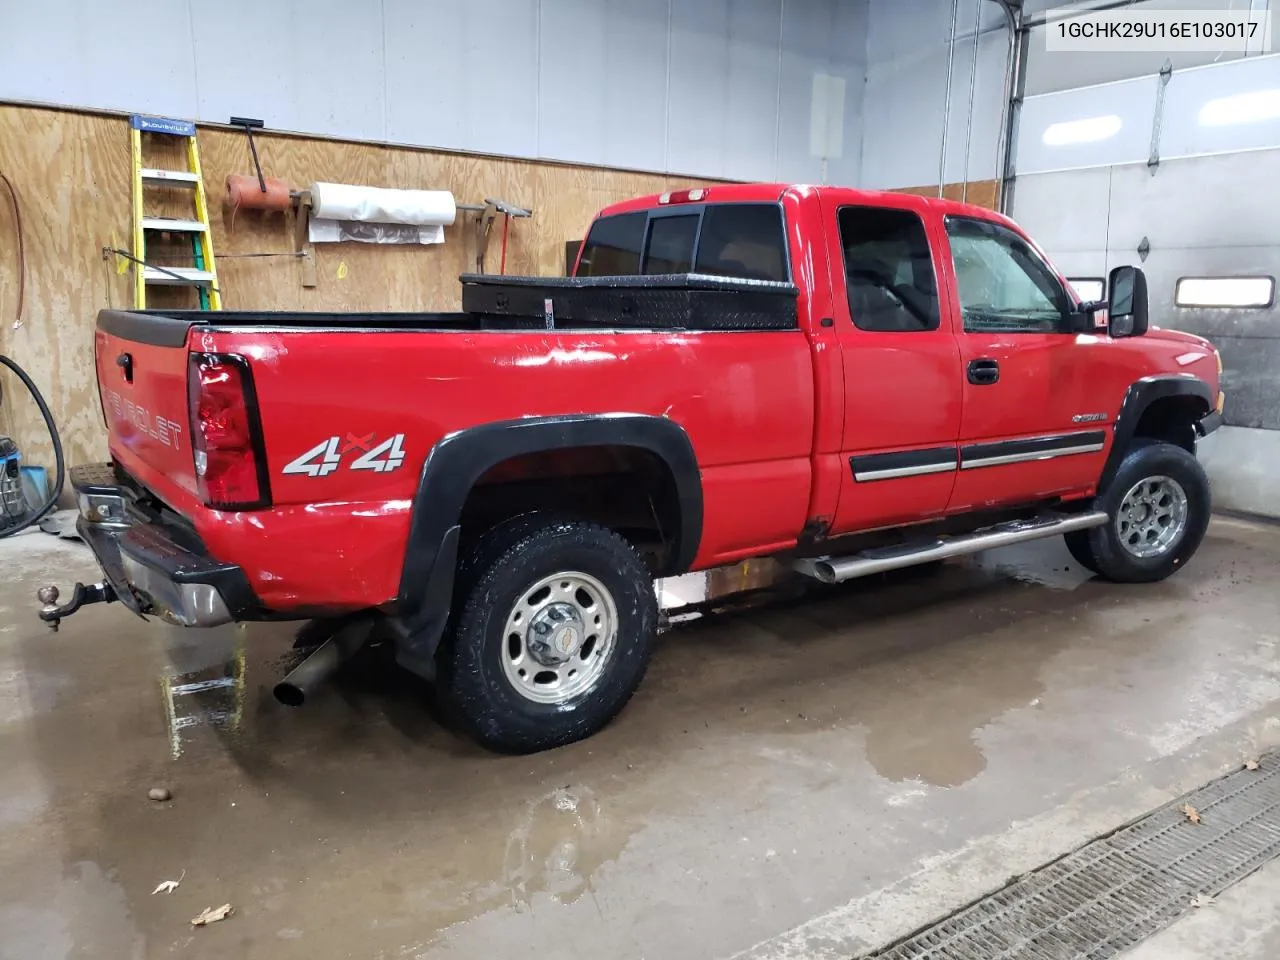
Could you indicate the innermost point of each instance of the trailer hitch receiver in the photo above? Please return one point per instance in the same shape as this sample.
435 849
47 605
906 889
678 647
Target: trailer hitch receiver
52 614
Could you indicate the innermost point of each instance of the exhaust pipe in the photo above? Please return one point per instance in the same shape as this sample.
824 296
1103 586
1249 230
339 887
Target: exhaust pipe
323 662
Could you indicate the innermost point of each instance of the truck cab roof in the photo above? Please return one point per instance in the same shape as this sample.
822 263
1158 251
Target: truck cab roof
774 192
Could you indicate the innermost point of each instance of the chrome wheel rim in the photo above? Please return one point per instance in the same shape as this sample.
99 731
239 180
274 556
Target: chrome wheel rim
1152 517
560 635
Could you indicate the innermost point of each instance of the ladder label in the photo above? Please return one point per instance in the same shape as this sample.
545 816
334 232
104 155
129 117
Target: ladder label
177 128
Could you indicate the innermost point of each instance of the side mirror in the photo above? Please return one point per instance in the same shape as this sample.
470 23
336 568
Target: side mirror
1089 317
1127 299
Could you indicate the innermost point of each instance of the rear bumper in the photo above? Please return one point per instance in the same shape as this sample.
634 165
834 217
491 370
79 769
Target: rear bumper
155 568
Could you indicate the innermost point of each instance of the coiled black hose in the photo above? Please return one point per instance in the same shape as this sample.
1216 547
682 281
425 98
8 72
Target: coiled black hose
59 466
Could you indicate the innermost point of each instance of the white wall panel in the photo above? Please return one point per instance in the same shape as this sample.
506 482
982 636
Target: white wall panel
87 53
903 110
700 96
906 87
725 76
752 83
848 38
235 85
900 28
902 131
1095 126
323 69
987 96
603 81
689 86
449 74
820 38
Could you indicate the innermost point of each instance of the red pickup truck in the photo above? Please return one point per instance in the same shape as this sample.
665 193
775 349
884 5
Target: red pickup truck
847 381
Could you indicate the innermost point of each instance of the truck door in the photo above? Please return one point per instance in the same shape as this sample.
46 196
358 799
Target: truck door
901 363
1032 428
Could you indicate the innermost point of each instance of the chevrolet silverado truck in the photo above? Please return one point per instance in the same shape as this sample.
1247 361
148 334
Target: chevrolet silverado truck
847 381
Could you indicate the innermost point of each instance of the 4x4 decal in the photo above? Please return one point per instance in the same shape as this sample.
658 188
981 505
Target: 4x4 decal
327 456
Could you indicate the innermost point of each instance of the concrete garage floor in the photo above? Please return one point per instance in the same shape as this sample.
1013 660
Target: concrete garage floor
800 780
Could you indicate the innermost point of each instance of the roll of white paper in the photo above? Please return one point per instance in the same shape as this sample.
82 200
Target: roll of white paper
344 201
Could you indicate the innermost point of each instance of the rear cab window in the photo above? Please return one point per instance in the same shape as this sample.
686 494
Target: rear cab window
739 240
671 242
613 246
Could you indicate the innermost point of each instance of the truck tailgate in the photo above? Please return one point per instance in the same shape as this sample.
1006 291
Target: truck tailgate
142 375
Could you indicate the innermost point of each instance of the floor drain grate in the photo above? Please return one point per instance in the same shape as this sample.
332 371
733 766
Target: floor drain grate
1119 889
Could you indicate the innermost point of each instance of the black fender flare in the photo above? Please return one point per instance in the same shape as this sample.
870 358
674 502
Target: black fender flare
460 459
1140 395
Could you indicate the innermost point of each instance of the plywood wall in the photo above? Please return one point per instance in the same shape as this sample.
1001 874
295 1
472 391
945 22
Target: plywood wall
981 193
72 174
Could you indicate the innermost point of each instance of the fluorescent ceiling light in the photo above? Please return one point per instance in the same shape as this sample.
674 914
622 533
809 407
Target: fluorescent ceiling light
1225 292
1087 289
1252 107
1088 130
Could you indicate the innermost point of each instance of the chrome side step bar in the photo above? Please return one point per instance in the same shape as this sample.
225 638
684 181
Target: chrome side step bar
839 569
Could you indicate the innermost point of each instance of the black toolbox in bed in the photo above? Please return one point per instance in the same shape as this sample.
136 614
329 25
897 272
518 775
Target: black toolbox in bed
680 301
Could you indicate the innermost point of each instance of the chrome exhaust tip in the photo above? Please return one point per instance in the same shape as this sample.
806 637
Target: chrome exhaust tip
322 663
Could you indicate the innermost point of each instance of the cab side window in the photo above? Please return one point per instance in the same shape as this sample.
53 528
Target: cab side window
888 270
1004 286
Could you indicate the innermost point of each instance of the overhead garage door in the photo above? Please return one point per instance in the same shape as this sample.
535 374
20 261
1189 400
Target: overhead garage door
1177 172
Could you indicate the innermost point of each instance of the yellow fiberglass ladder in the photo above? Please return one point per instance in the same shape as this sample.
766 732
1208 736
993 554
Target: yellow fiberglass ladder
201 274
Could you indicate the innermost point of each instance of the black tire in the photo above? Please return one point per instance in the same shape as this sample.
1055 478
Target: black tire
1080 550
493 579
1151 459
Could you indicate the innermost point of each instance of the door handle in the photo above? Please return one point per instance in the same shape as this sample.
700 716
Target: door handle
983 372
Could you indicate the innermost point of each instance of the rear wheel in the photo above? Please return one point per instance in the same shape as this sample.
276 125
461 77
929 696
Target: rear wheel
555 631
1158 508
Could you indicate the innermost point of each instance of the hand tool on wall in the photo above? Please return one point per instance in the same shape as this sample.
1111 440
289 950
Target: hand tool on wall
484 225
256 192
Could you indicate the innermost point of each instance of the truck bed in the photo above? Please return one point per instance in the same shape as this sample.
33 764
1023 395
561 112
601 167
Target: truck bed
660 302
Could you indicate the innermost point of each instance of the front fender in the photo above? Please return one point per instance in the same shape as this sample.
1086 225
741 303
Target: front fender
1140 395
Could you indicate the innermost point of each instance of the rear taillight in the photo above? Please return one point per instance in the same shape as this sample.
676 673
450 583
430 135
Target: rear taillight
226 435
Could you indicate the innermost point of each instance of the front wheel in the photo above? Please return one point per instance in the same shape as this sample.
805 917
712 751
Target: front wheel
1080 550
556 628
1158 508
